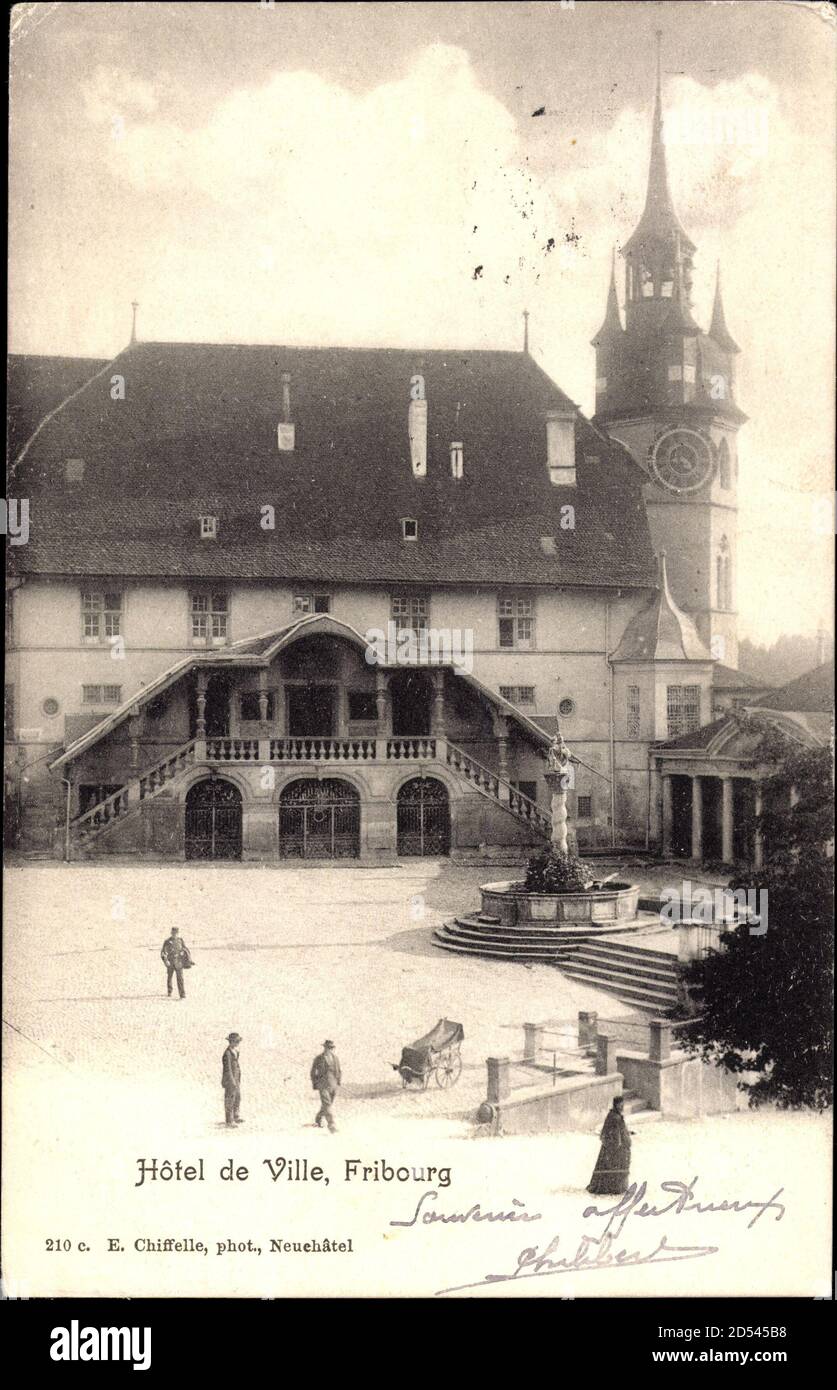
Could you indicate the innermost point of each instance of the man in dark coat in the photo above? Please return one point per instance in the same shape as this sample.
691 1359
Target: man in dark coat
231 1081
176 958
325 1078
610 1174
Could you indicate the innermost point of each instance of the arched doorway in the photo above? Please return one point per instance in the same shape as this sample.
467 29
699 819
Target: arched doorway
423 817
319 819
213 820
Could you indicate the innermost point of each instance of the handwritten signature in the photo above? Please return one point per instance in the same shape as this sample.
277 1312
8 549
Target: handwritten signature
593 1252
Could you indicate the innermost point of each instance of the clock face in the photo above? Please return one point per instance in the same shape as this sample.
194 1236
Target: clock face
681 460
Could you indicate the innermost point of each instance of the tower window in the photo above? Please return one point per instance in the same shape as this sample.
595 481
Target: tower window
633 711
457 462
667 289
601 383
724 472
683 709
675 372
723 573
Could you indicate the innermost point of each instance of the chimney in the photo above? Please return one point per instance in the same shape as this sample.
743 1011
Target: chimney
417 430
560 447
285 433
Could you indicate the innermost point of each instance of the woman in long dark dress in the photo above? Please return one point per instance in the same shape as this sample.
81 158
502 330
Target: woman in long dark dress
610 1174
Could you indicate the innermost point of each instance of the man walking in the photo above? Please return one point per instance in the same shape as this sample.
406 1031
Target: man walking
176 958
231 1081
325 1078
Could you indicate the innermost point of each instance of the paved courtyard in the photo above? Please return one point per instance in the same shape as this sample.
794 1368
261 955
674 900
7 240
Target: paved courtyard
101 1069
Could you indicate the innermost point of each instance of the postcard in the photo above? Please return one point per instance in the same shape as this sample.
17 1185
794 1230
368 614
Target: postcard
419 684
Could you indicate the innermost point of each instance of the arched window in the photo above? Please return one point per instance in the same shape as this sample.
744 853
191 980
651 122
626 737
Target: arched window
724 471
723 570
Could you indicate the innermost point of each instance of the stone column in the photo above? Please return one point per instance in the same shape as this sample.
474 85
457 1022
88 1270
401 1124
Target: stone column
668 813
383 704
605 1056
697 818
263 696
437 718
558 797
532 1041
588 1028
503 756
758 843
134 730
660 1042
727 820
200 702
499 1087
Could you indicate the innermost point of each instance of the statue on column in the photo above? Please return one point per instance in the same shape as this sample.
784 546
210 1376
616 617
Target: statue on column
559 778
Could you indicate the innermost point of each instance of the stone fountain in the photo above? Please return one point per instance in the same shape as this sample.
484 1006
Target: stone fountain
516 924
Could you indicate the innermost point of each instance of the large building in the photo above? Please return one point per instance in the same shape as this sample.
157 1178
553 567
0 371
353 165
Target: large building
218 533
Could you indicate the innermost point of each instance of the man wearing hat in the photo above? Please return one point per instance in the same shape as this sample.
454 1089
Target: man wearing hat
325 1078
231 1080
176 957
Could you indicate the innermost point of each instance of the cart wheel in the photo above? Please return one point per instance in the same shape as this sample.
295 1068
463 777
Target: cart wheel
448 1072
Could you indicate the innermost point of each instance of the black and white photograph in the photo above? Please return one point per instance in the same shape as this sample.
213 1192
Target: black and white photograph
419 686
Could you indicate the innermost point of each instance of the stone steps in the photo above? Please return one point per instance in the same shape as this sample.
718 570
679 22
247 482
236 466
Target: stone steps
474 934
646 979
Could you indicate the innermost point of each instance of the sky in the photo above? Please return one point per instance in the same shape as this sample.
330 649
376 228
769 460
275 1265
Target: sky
376 174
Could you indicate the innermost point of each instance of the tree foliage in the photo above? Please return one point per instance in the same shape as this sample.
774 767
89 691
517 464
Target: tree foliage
766 999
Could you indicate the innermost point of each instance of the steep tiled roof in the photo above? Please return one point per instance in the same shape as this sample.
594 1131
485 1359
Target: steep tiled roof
661 631
812 693
196 434
36 386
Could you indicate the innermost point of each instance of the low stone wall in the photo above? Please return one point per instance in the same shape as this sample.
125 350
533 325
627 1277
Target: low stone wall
579 1103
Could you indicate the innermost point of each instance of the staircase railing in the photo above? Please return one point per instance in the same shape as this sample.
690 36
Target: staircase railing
522 807
121 803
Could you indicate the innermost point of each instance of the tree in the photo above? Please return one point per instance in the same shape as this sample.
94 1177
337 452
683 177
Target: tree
766 996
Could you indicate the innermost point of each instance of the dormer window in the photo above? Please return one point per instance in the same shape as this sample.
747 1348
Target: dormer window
409 529
457 460
74 470
208 527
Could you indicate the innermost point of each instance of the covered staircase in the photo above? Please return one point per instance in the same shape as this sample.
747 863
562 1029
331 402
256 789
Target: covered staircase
98 820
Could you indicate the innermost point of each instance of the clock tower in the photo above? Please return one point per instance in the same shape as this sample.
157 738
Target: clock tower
666 390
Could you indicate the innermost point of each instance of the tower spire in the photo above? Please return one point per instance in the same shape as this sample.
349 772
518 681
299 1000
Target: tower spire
134 307
659 221
718 331
612 324
525 330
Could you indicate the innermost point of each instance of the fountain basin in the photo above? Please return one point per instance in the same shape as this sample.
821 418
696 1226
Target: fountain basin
512 905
